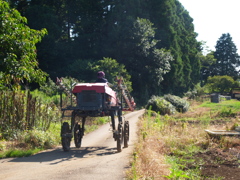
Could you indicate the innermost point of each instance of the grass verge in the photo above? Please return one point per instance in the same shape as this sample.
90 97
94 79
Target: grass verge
26 143
19 152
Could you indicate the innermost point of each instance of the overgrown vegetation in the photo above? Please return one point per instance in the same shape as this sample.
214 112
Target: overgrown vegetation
21 111
177 147
168 104
18 49
28 142
31 121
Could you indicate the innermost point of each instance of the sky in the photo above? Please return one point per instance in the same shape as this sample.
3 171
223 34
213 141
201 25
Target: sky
212 18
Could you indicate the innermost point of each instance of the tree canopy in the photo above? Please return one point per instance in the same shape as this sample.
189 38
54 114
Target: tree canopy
155 41
221 84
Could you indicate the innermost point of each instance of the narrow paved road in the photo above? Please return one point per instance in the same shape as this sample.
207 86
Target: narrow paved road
97 159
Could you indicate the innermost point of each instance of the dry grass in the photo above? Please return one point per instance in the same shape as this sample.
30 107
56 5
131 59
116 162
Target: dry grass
195 111
158 141
149 157
180 135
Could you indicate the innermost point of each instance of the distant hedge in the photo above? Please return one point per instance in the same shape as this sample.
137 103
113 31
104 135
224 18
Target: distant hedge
168 104
160 105
180 104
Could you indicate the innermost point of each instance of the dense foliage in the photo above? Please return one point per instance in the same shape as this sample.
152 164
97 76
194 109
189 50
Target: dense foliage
160 105
153 44
206 63
168 104
180 104
221 84
18 49
155 41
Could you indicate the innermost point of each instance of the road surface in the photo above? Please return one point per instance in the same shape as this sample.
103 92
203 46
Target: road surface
97 159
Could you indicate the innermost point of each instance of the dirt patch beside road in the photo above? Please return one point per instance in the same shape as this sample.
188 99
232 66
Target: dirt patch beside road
219 163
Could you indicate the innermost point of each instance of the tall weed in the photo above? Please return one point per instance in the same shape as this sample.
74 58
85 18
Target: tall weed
22 111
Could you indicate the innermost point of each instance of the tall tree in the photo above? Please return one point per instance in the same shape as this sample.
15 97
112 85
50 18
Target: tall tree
87 31
176 31
206 63
148 64
50 54
18 48
143 60
227 58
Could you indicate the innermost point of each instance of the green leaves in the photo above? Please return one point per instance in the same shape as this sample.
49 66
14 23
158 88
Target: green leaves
144 33
221 84
18 48
113 69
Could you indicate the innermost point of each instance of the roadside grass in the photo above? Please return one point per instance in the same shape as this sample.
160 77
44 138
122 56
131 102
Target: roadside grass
167 145
19 153
27 143
94 123
91 124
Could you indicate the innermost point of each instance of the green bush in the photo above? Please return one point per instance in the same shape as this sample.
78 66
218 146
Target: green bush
35 138
39 139
49 88
180 104
45 98
50 92
221 84
160 105
196 92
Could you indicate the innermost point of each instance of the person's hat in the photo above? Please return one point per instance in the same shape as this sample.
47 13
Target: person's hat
100 74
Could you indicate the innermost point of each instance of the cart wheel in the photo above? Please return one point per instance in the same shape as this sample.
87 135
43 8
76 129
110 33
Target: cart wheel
126 133
77 135
66 136
119 138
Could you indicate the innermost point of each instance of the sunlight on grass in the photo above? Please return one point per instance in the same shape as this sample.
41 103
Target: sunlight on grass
19 153
234 104
32 141
167 144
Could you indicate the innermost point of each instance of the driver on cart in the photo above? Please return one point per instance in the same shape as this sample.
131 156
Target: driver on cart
101 77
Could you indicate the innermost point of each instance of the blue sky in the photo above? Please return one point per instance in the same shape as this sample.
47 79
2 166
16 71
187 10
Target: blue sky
212 18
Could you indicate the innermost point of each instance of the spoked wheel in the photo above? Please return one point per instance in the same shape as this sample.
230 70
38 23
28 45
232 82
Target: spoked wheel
77 135
120 138
66 136
126 133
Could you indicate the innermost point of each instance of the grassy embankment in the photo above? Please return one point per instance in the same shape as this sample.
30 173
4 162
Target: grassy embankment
26 143
169 147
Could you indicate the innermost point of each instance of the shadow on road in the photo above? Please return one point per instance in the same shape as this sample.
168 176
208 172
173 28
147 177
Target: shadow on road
58 155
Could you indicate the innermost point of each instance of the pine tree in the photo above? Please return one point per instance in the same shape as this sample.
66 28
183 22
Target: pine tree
227 58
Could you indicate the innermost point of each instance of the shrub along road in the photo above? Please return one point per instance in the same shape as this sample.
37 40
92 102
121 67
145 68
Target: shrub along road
96 159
